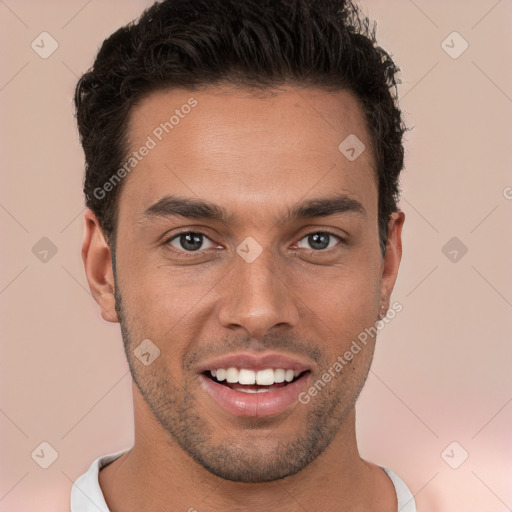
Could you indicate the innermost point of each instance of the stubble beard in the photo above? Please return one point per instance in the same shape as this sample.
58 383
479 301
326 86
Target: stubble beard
179 412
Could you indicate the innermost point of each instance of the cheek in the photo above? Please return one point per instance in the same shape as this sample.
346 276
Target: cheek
151 288
163 305
156 304
345 302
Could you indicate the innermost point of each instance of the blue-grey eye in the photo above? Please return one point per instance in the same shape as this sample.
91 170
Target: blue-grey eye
190 241
319 241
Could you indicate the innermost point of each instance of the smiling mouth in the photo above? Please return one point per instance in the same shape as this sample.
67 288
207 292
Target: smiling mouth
250 381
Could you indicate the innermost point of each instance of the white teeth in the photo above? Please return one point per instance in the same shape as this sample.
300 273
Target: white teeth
265 377
246 377
249 390
231 375
279 376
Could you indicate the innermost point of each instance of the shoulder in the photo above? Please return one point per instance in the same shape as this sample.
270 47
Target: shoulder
404 496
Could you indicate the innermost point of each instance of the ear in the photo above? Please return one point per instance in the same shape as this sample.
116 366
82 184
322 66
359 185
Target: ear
98 267
392 257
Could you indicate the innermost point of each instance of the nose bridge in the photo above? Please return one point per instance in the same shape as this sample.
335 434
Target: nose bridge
256 296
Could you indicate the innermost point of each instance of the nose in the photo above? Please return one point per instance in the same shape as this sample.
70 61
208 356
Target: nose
257 297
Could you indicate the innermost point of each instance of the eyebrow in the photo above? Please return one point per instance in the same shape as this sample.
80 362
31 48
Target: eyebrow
174 206
325 207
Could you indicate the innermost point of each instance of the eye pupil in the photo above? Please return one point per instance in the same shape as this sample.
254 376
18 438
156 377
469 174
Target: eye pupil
319 240
191 241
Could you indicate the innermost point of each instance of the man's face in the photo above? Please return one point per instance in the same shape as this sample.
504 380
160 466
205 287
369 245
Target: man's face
266 286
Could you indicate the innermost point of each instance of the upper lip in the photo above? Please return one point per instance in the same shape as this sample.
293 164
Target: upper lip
255 362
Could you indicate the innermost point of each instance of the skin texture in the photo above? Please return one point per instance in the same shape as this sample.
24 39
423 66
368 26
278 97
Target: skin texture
257 156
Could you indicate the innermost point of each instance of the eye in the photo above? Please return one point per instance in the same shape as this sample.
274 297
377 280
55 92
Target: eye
190 241
319 241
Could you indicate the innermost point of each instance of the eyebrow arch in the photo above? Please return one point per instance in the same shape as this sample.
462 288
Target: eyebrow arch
171 206
325 207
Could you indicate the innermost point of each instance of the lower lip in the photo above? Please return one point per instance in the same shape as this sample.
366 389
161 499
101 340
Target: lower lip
259 405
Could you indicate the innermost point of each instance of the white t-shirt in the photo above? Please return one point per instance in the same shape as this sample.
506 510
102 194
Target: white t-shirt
86 494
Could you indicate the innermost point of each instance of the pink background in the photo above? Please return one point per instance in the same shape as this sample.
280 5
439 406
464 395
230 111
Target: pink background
442 371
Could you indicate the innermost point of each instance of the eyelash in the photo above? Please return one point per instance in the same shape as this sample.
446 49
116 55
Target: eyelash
187 254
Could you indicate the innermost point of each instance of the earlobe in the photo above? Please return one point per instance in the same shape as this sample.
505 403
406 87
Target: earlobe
392 258
98 267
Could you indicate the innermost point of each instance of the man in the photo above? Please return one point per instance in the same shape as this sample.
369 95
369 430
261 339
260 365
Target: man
242 164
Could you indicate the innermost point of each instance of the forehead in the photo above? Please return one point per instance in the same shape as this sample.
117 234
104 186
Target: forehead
231 146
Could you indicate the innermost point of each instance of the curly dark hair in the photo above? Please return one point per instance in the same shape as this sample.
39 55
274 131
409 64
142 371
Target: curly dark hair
261 44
